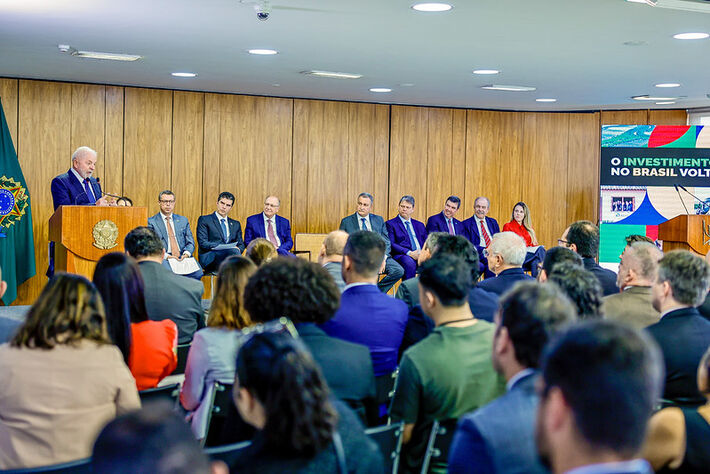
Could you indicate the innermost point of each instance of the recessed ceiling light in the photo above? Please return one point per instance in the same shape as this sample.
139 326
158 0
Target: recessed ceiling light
545 100
334 75
101 55
432 7
184 74
668 84
691 36
380 89
665 103
486 71
648 97
263 52
276 84
638 1
500 87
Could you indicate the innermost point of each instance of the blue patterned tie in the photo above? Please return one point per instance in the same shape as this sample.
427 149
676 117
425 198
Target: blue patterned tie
225 233
364 226
412 237
89 194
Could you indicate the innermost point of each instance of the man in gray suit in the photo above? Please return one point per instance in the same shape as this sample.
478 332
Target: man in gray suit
408 290
499 437
174 232
637 273
364 220
167 295
330 256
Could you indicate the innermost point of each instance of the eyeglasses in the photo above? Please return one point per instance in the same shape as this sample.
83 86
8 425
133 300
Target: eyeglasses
487 253
166 202
562 243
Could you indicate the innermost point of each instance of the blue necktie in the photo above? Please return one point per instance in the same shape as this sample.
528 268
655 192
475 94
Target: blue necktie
225 233
89 194
364 226
411 235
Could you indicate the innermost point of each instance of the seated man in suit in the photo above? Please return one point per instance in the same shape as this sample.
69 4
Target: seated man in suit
407 237
217 229
500 437
683 334
599 385
330 256
167 295
506 255
364 220
366 316
174 231
581 286
77 186
305 293
637 272
449 372
479 229
445 221
408 290
270 226
583 238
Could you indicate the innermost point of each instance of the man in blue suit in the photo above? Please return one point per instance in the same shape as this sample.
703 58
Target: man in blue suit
174 231
77 186
217 229
366 316
506 255
499 437
268 225
364 220
407 237
480 229
445 221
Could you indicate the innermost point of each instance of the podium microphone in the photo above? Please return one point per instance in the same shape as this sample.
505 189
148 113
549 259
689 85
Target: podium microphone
681 198
104 193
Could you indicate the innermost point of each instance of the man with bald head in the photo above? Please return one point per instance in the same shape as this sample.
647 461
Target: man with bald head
331 256
270 226
78 186
506 254
637 273
480 229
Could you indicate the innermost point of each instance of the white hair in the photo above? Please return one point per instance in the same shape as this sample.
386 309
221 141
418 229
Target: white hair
81 151
510 246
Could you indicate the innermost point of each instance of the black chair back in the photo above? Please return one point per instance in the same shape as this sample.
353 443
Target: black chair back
389 440
384 391
228 453
220 402
182 350
170 393
82 466
437 450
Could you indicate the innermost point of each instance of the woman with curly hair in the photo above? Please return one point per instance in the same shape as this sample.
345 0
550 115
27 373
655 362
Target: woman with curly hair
280 391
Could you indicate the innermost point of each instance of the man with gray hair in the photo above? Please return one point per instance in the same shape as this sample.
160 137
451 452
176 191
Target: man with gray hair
78 186
407 237
683 334
637 272
506 255
408 290
330 256
480 229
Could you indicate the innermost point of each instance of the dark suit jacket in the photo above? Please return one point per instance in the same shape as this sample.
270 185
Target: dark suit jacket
183 234
705 307
399 237
351 224
408 291
437 223
684 336
171 296
209 235
472 234
483 304
255 229
504 281
336 271
67 190
606 277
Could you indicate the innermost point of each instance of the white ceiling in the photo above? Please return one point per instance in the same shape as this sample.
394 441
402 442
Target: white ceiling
572 50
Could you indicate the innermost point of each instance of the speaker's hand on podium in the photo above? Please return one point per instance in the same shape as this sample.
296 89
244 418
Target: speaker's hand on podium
103 202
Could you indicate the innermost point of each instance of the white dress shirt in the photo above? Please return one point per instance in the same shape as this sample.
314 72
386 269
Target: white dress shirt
226 223
367 221
482 223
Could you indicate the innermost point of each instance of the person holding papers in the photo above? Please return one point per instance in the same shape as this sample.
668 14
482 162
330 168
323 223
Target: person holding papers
174 231
218 236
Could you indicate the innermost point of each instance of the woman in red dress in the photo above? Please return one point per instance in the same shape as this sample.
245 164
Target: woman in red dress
520 224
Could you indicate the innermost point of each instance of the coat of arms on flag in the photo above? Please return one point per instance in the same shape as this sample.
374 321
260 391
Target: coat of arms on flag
13 203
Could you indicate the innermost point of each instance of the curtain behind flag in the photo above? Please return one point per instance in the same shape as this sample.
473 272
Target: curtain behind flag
17 253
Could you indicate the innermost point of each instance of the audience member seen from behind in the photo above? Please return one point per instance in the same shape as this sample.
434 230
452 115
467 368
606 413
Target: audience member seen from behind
600 382
148 347
682 333
637 272
304 293
499 437
408 290
280 391
704 308
214 348
506 255
61 378
261 251
449 372
557 255
678 438
581 286
583 237
153 440
330 256
521 224
124 201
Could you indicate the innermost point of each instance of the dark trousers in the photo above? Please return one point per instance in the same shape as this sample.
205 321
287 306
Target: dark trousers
394 272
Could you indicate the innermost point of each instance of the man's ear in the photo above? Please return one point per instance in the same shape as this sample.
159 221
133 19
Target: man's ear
573 247
347 263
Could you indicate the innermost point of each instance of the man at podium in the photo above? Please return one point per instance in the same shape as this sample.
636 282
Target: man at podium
77 186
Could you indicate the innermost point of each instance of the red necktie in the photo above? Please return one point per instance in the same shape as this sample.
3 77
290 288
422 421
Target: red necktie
270 233
451 227
485 235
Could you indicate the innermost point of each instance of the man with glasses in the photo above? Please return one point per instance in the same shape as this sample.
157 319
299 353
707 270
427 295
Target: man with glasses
480 229
583 238
270 226
174 231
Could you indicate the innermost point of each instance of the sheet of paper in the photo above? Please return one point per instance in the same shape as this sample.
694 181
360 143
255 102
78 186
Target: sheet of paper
184 267
233 245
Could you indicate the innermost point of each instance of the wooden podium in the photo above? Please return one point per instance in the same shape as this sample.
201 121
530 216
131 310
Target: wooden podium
686 232
84 234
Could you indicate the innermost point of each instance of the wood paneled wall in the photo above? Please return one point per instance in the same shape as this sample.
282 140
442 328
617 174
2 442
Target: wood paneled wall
315 155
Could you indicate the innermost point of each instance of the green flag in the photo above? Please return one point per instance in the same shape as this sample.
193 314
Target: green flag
17 251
